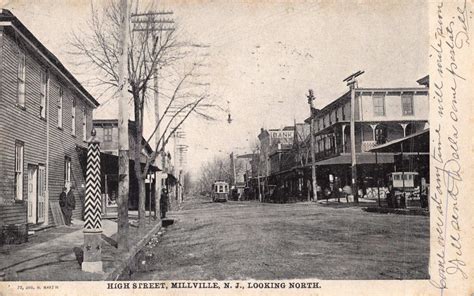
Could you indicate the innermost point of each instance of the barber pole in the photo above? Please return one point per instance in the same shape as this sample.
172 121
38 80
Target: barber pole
93 210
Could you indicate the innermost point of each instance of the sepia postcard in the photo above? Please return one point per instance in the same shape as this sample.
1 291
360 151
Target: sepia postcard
157 147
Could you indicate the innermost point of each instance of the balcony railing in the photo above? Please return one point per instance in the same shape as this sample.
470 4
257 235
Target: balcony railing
367 145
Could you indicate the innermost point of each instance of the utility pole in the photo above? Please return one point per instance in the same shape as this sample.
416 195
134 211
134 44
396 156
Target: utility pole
352 83
311 99
157 140
232 167
123 145
150 18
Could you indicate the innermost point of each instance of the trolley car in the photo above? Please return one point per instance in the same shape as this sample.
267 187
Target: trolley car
220 191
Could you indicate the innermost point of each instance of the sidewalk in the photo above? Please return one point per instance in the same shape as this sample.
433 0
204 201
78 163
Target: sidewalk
55 254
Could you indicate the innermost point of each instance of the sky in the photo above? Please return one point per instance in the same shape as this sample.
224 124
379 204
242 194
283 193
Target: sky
264 56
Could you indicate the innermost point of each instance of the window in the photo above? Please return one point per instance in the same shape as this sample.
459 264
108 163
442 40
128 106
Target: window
84 125
18 170
21 78
60 107
108 134
407 104
379 105
73 117
67 169
43 93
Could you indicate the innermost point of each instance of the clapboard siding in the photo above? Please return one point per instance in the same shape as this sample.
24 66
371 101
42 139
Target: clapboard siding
2 123
27 126
13 214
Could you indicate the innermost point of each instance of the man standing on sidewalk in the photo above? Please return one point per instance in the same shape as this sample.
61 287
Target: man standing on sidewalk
67 203
164 202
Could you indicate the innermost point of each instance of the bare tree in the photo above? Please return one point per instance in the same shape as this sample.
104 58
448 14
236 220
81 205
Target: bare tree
151 47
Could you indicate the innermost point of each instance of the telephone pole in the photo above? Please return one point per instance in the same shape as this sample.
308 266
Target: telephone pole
123 145
149 18
352 83
311 99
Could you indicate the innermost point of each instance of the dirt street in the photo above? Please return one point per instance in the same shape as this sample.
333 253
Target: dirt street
250 240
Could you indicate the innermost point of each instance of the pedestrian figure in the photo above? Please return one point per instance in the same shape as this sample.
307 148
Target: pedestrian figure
423 193
327 194
67 202
337 188
164 201
403 200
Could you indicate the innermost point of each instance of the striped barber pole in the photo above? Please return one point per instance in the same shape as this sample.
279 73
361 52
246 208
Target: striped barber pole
93 202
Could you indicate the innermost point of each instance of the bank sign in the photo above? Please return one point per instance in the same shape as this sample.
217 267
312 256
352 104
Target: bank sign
282 134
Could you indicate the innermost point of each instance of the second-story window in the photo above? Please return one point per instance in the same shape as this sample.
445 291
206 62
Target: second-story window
108 134
73 117
43 93
84 125
60 107
407 104
21 78
379 105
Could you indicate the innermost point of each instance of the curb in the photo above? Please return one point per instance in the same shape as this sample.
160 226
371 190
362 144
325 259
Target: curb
398 211
130 255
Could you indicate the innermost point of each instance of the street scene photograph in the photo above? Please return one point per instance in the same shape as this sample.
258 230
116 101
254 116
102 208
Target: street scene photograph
146 140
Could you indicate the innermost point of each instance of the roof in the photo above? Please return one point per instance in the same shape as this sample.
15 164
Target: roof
286 128
105 122
248 155
9 19
417 142
395 90
110 162
424 80
339 101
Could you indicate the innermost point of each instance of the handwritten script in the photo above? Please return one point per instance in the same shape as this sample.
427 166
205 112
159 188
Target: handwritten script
451 40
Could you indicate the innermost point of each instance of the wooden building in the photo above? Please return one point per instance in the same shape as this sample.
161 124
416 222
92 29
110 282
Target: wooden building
381 115
107 133
46 115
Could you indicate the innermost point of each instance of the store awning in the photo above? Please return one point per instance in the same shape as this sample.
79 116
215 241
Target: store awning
109 162
418 142
361 158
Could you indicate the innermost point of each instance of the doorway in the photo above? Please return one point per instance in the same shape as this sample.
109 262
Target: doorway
36 193
32 193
